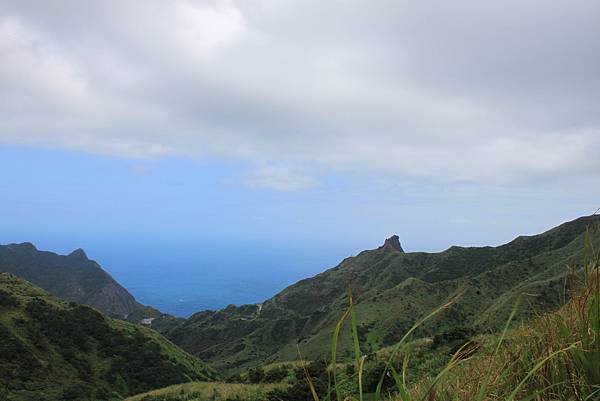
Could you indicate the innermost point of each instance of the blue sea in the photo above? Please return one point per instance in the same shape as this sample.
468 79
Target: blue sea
182 280
182 275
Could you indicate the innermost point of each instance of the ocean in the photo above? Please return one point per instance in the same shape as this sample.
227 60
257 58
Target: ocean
184 280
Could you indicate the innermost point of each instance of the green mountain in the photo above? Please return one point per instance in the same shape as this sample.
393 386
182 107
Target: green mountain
392 289
73 277
52 349
554 356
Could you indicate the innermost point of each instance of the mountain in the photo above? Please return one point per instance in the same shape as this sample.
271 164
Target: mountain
52 349
73 277
392 289
554 356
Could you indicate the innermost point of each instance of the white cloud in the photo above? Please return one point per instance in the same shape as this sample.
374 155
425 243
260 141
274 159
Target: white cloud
281 178
35 74
502 92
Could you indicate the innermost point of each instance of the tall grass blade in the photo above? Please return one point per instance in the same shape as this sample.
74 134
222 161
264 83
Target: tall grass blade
400 384
360 373
357 354
405 368
455 360
486 380
536 395
592 395
336 335
311 385
536 367
406 336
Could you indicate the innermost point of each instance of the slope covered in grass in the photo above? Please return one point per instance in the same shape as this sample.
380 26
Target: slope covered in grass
202 391
51 349
392 289
553 356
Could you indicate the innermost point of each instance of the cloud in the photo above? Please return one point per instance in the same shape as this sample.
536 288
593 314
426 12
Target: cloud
281 178
496 92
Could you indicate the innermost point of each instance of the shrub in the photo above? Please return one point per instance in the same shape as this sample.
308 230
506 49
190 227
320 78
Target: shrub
256 375
7 300
275 375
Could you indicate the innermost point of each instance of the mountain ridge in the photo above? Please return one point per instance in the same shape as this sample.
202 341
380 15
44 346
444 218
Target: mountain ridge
305 312
406 283
73 277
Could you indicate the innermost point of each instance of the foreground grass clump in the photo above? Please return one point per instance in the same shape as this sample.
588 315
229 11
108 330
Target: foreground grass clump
209 391
555 357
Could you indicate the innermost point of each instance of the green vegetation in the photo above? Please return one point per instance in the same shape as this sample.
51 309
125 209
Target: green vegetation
76 278
514 324
392 289
556 356
56 350
73 277
203 391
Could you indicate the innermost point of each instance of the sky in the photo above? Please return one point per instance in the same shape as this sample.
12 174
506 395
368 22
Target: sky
302 131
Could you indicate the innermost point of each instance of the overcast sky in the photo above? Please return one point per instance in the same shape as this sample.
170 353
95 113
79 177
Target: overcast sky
446 121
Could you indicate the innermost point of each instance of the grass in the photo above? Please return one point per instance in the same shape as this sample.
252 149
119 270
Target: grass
205 391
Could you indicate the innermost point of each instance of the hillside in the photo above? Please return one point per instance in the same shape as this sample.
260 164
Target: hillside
73 277
554 356
392 289
51 349
210 391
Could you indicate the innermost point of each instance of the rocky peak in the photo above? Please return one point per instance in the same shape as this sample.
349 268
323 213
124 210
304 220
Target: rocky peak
78 254
392 244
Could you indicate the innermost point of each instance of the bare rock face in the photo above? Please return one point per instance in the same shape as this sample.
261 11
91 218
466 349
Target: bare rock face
392 244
